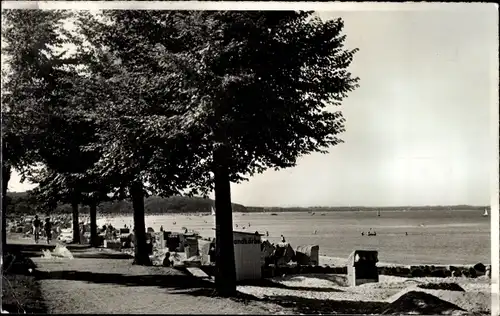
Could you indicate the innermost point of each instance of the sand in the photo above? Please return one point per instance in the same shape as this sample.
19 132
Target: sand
476 298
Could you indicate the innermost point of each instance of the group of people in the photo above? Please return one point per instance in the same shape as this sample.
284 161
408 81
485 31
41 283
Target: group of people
47 227
109 231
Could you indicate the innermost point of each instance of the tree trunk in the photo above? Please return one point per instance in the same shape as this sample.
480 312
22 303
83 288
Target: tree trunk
94 238
141 251
5 182
225 275
76 224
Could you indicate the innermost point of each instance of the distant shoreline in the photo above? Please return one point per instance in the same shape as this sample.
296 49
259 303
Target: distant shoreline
24 204
317 211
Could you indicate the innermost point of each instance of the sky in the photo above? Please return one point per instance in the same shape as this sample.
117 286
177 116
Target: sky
421 128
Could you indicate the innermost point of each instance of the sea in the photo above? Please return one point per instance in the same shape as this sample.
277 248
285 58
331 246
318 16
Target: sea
402 237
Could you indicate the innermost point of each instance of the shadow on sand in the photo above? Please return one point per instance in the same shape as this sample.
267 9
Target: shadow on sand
270 284
162 281
188 285
315 306
335 279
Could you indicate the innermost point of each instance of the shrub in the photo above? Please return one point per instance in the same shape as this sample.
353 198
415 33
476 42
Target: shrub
417 273
479 267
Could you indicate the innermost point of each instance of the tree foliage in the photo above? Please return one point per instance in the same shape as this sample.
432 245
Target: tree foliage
221 95
138 105
42 122
212 76
190 101
31 80
31 68
262 82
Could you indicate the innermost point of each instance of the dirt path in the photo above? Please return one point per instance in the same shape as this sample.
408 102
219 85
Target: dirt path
116 286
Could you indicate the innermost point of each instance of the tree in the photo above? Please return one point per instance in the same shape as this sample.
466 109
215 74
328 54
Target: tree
31 68
135 107
264 85
45 102
247 91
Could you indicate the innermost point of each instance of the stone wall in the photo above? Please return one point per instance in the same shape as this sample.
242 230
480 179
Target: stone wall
402 271
437 271
271 270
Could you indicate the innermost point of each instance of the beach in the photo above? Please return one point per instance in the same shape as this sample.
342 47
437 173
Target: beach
434 237
92 282
103 271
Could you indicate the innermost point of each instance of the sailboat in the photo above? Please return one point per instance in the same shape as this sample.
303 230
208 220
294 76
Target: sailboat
213 210
378 213
485 212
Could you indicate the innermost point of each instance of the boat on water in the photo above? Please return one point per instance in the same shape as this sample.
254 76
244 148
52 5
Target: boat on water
378 213
212 210
371 232
485 212
274 214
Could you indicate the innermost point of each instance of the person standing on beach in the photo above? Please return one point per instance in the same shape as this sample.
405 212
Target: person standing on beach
36 228
82 231
48 229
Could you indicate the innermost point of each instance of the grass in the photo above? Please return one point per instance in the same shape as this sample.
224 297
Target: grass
21 291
